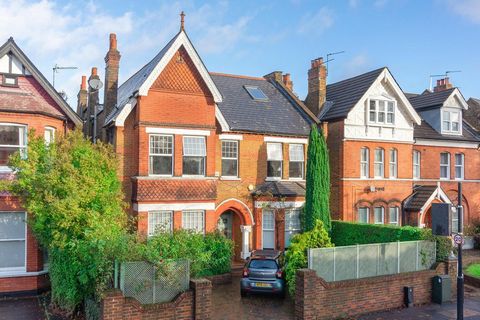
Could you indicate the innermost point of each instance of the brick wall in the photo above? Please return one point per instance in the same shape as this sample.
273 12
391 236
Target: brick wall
318 299
195 303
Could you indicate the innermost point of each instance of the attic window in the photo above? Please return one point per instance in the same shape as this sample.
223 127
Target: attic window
9 80
256 93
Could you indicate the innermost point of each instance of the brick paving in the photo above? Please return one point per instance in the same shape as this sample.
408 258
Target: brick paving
21 308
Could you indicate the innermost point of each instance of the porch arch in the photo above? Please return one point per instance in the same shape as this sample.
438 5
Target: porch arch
239 207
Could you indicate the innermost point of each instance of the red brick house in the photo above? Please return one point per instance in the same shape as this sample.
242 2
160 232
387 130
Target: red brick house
203 150
27 101
394 154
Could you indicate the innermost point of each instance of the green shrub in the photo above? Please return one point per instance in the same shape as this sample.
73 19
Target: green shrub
296 257
208 255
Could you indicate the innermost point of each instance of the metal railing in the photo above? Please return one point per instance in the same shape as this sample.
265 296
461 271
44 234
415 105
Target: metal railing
149 283
370 260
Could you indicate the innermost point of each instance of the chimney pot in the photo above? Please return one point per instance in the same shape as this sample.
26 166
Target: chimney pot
94 71
113 41
287 81
83 86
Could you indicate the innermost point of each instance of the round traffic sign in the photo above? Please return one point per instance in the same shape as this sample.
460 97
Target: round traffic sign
458 239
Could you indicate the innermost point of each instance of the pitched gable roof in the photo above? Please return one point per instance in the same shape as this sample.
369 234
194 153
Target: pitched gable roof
426 131
472 115
430 99
342 96
11 46
142 80
280 114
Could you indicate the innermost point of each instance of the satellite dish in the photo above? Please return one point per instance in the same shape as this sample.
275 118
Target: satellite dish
95 84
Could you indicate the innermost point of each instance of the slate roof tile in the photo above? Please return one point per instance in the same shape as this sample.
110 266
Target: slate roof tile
281 189
419 197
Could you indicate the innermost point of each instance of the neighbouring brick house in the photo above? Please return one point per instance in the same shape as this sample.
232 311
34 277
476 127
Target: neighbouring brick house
394 154
205 151
27 101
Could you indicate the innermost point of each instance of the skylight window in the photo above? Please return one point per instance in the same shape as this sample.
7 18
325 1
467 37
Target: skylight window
256 93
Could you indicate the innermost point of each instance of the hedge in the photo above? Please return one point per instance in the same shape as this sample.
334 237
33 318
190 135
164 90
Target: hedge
352 233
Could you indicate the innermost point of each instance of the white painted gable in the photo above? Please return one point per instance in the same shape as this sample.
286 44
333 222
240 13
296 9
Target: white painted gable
16 65
358 127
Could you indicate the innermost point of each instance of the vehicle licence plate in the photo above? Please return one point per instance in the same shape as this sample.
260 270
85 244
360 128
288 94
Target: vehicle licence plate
262 285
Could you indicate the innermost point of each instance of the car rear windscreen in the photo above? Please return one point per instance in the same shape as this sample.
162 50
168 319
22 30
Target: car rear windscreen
263 264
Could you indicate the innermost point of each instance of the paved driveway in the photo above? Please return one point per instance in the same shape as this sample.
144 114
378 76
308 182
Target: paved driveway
22 308
227 304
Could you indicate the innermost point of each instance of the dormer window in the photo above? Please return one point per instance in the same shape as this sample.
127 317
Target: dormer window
256 93
381 111
450 121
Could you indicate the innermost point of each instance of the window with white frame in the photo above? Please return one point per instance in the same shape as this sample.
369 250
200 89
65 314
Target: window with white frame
274 160
454 220
416 164
49 135
364 162
292 224
393 215
229 158
381 111
363 214
12 241
378 215
194 154
379 163
296 161
450 121
160 221
161 155
459 166
393 167
193 220
444 165
13 138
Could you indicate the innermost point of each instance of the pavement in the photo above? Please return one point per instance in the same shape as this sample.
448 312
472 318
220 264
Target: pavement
21 309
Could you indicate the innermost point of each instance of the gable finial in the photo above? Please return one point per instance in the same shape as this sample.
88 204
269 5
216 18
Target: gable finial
182 21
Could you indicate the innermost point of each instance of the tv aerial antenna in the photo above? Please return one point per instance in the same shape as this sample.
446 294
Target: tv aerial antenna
441 75
332 54
56 68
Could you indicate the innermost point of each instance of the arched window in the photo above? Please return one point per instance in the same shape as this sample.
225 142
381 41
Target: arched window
416 164
393 168
364 162
379 163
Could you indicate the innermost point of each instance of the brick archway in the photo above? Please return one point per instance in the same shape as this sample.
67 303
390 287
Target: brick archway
240 208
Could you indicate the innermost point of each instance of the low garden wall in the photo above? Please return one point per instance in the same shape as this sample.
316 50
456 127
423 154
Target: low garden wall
195 303
218 279
317 299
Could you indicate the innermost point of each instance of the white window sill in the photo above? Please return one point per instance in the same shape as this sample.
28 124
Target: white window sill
273 179
15 274
296 179
230 178
383 125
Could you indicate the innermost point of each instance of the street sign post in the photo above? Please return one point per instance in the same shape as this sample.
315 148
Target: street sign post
458 238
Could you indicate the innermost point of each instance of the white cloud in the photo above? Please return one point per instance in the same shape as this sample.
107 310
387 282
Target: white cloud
316 22
469 9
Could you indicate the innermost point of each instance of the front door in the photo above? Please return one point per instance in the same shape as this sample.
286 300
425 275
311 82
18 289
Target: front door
224 224
268 226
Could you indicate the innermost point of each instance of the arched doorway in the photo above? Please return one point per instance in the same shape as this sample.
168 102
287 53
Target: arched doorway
235 222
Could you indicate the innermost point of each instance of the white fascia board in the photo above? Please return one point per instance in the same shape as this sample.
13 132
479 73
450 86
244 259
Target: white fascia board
182 39
122 116
449 144
142 207
286 140
230 137
279 204
183 132
460 98
221 119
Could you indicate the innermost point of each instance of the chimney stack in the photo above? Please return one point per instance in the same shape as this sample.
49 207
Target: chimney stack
317 86
287 81
82 98
275 76
112 62
92 101
443 84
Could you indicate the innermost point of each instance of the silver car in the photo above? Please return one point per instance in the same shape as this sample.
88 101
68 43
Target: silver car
263 273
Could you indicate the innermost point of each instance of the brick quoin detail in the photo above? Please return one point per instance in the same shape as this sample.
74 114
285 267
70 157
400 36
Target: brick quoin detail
195 303
318 299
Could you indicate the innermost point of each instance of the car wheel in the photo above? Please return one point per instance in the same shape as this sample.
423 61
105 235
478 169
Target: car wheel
243 294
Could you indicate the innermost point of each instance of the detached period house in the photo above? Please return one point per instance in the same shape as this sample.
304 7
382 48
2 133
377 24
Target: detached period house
205 151
27 101
394 154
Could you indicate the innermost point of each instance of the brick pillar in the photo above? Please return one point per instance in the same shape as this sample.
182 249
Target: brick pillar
305 292
112 305
202 298
451 269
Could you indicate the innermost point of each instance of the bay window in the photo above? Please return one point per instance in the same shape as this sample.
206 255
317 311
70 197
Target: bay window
459 166
193 220
444 165
49 135
160 221
229 158
12 241
161 154
364 162
12 139
378 213
194 154
274 160
379 168
363 214
297 161
292 224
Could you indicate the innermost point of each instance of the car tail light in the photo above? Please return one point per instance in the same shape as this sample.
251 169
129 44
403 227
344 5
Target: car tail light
279 274
245 273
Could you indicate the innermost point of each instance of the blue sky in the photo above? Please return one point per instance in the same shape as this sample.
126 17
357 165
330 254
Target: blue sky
413 38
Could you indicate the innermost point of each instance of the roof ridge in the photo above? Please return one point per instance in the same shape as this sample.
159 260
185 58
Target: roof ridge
236 76
357 76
